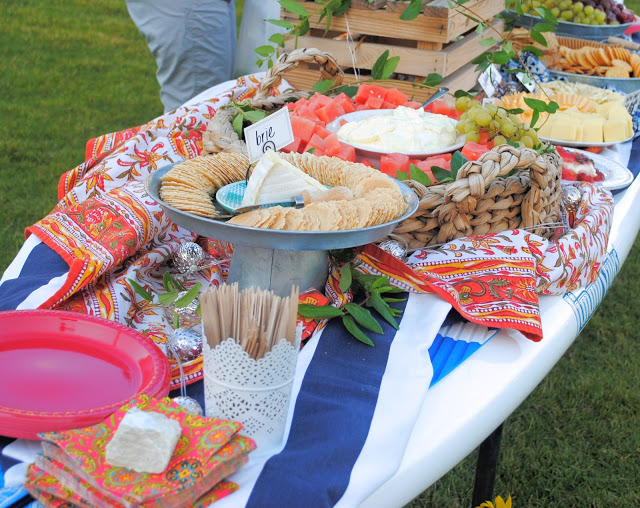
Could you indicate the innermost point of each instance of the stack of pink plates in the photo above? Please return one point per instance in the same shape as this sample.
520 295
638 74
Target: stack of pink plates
62 370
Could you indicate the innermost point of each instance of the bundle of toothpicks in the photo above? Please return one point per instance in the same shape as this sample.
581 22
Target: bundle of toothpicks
256 319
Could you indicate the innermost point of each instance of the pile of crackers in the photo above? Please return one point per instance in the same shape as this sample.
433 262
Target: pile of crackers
610 62
377 199
188 186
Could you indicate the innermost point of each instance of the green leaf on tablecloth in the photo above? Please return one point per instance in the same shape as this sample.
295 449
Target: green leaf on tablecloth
189 296
319 311
376 301
168 298
345 278
389 299
363 317
140 290
353 329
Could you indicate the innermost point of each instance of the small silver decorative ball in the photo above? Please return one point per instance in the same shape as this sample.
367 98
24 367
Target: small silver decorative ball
186 343
188 258
571 197
191 405
395 248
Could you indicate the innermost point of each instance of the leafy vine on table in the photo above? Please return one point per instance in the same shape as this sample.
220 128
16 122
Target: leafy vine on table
372 291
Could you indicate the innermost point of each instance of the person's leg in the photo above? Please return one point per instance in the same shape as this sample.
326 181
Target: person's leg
192 41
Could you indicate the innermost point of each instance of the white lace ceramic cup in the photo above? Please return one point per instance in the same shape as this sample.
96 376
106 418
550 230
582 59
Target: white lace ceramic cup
255 393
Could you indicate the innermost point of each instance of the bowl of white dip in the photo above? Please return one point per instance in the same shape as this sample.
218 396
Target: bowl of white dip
409 131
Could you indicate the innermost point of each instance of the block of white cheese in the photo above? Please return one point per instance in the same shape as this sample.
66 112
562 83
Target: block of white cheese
275 180
145 441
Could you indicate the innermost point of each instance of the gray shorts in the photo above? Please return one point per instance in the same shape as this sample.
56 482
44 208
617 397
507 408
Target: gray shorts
193 42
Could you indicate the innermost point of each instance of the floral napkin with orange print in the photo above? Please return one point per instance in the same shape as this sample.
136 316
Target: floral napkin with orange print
209 449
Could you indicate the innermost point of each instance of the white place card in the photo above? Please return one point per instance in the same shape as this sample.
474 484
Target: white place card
270 133
489 80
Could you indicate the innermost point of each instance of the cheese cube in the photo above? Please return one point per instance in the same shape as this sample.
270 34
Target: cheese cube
145 441
614 130
592 130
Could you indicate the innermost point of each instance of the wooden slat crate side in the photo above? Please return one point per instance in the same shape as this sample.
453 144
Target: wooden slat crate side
384 23
464 78
413 61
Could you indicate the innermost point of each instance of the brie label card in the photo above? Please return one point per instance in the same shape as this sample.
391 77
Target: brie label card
489 80
271 133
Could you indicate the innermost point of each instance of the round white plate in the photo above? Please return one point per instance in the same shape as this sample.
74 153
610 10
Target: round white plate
582 144
367 151
616 176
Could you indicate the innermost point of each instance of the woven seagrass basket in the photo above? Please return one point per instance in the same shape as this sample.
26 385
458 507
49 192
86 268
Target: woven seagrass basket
484 200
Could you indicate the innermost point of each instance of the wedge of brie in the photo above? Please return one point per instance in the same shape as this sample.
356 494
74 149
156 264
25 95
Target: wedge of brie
276 180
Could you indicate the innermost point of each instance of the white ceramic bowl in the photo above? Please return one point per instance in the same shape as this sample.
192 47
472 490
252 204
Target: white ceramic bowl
373 154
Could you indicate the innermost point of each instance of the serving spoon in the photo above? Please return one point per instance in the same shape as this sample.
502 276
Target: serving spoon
441 91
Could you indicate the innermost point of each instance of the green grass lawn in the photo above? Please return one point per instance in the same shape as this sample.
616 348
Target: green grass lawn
77 69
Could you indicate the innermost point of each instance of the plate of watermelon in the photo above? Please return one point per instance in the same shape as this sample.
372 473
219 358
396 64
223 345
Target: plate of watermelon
582 166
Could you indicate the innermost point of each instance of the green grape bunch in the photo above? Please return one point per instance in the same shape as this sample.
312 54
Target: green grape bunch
502 126
585 12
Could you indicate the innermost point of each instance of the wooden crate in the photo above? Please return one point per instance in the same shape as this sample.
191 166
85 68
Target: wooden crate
440 40
434 27
413 61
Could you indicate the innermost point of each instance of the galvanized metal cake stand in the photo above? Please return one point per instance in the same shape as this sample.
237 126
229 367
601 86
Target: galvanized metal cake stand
274 259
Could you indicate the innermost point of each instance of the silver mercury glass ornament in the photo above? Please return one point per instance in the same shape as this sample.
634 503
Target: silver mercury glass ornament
571 197
188 258
395 248
191 405
185 344
188 311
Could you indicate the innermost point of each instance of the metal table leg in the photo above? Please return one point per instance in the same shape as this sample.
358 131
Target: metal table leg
486 468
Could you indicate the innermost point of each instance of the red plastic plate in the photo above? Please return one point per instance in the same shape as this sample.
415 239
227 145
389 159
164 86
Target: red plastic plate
62 370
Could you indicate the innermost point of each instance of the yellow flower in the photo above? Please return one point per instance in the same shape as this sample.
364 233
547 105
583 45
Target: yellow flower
500 503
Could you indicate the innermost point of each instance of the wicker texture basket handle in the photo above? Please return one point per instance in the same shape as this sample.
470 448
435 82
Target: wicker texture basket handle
264 98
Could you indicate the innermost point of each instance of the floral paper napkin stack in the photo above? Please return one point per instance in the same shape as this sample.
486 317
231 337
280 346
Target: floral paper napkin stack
72 469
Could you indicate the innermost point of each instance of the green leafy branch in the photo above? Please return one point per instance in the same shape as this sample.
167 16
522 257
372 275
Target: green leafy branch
382 70
374 290
171 295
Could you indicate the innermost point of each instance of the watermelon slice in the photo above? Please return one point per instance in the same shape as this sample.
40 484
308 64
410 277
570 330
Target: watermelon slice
302 127
395 96
391 163
374 102
366 90
333 145
473 150
295 146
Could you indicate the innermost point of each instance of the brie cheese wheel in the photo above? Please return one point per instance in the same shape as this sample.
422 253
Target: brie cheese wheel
275 180
145 441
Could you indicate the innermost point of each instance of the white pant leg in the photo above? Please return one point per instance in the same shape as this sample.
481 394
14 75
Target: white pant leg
192 41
